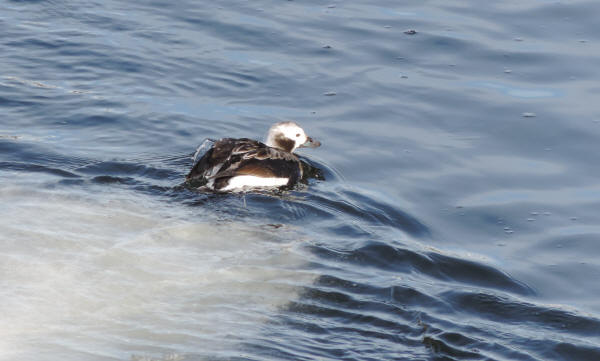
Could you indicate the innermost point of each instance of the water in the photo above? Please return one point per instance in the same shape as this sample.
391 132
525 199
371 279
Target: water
457 219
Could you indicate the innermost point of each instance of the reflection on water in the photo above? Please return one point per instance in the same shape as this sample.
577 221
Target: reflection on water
517 92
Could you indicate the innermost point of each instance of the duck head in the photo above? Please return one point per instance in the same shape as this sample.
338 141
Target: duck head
289 136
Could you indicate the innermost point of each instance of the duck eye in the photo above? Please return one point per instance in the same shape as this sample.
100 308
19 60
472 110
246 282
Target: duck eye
297 135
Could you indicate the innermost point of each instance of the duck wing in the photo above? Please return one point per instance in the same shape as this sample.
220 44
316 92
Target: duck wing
230 157
216 157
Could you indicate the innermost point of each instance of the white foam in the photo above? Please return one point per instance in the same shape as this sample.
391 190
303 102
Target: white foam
108 274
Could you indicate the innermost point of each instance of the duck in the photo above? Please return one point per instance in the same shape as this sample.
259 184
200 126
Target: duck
239 164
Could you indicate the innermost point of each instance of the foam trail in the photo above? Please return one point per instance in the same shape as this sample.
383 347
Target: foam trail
107 274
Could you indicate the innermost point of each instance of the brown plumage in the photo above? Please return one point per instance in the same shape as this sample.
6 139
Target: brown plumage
230 158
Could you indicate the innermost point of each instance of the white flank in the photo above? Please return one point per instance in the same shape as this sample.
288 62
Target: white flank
242 181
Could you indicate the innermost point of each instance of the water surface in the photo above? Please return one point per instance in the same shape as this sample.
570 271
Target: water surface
457 219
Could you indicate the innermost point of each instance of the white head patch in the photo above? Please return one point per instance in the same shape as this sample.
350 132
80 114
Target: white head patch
282 134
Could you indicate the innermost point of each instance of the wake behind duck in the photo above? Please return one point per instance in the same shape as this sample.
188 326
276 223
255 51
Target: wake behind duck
232 165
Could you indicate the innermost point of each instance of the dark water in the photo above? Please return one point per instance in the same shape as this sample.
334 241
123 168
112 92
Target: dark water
458 219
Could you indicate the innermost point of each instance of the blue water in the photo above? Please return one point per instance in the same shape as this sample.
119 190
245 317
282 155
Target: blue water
458 218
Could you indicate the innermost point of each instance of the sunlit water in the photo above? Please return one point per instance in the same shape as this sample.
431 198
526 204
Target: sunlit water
116 275
458 218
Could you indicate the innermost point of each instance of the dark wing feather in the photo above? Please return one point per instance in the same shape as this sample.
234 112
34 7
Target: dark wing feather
279 168
230 157
220 153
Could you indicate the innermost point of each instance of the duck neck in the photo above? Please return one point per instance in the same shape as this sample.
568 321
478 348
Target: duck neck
279 141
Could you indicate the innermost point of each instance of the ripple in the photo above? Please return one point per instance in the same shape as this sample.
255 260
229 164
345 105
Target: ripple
518 92
434 265
103 103
36 168
501 309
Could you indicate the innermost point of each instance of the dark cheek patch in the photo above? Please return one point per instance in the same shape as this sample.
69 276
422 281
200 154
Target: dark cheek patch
284 143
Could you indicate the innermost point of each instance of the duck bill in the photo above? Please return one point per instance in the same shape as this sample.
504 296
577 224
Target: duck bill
310 143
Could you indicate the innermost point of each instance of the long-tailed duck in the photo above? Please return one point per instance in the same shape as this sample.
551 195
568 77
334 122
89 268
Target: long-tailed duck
239 164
